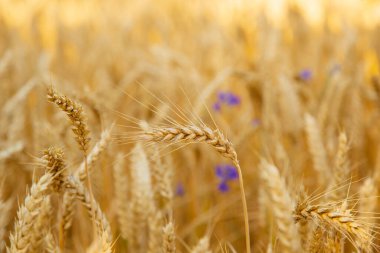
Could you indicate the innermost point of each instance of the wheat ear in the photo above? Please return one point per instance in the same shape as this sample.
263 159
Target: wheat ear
155 232
20 240
141 203
75 113
162 178
203 246
5 208
8 152
340 173
168 238
50 243
314 245
336 220
55 164
121 195
281 203
41 223
214 138
316 148
161 172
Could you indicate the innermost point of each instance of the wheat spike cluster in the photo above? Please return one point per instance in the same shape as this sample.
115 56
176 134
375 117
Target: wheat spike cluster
175 126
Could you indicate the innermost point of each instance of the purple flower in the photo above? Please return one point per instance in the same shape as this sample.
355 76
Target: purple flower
222 96
223 186
305 75
217 107
228 98
180 190
226 172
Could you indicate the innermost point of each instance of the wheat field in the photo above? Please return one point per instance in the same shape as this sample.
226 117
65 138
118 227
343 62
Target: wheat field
189 126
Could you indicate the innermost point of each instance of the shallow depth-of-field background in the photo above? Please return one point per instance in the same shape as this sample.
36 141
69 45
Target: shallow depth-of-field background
163 103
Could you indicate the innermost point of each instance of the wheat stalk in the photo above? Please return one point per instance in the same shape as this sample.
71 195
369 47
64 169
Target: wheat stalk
316 148
121 195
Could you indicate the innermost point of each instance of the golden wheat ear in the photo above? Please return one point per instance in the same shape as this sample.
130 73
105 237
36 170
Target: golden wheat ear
121 186
75 113
202 134
344 223
281 204
203 246
21 238
168 245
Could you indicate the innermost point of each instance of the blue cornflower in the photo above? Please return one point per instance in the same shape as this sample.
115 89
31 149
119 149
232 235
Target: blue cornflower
217 106
305 75
180 190
223 186
227 98
225 173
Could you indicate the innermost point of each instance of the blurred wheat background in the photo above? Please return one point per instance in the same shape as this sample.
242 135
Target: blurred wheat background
189 126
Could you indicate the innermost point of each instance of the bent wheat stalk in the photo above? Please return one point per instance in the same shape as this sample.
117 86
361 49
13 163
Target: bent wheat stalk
203 134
